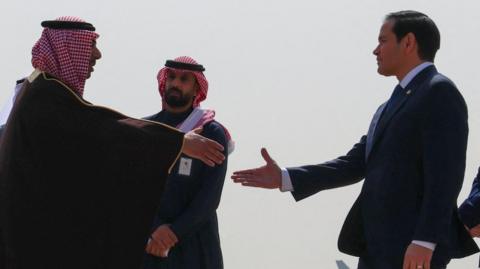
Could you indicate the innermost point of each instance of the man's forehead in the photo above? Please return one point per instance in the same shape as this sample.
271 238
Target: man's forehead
179 72
387 26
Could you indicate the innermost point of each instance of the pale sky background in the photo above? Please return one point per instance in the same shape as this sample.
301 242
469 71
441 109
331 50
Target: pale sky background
297 77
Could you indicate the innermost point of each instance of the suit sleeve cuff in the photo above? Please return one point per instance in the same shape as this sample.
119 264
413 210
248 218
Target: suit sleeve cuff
286 181
425 244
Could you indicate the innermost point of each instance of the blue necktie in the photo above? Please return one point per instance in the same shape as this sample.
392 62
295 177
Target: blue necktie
397 93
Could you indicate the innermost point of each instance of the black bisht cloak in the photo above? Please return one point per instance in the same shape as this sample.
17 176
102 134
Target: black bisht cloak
79 183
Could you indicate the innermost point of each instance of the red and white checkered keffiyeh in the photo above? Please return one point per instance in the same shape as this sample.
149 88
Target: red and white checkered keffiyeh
200 77
208 115
65 54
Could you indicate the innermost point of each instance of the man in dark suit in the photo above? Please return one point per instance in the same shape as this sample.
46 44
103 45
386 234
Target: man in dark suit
412 159
469 211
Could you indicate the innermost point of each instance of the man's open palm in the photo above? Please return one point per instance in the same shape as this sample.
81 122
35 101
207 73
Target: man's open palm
268 176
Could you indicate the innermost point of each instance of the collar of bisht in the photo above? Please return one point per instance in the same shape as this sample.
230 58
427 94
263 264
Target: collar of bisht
184 64
198 118
64 50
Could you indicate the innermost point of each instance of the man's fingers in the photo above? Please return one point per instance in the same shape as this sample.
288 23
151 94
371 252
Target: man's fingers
212 154
245 178
148 248
212 144
159 243
417 257
157 251
172 237
199 147
415 263
252 184
406 263
153 248
409 265
266 156
198 130
168 241
245 172
475 231
215 157
217 154
234 177
238 179
164 254
412 265
242 180
207 161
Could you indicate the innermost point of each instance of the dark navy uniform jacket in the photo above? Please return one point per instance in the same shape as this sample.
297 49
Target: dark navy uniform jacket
189 204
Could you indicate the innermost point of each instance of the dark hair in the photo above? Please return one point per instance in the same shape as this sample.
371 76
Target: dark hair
421 26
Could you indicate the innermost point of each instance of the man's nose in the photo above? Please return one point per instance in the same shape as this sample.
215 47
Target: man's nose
176 82
99 54
96 53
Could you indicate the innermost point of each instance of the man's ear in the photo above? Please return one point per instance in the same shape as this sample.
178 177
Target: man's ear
409 43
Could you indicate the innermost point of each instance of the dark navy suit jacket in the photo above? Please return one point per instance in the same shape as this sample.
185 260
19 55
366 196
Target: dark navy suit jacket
470 209
413 175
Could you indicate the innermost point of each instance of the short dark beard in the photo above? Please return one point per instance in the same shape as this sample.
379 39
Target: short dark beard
177 101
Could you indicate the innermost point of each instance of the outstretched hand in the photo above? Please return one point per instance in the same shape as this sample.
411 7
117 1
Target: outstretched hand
268 176
202 148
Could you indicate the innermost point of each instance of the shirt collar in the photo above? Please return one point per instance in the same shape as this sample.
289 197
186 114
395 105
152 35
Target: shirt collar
413 73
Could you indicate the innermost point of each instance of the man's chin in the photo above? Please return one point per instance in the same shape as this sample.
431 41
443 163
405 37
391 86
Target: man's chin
382 72
177 103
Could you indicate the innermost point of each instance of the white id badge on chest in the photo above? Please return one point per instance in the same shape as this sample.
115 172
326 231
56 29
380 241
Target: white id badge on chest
185 166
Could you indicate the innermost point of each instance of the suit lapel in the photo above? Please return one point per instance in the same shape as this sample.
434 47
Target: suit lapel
389 113
371 129
385 119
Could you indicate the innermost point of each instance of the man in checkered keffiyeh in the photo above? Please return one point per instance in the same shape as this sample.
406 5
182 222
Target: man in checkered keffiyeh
185 233
66 50
69 54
